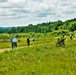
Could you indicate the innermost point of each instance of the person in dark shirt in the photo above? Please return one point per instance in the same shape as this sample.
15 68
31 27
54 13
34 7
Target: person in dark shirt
71 37
11 40
28 41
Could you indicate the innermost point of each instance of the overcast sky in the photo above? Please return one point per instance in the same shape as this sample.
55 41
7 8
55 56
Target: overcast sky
24 12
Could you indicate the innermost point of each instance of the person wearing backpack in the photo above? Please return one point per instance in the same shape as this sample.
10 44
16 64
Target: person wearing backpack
11 40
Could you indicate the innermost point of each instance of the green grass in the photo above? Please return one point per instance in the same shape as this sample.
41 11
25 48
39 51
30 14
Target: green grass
45 59
39 39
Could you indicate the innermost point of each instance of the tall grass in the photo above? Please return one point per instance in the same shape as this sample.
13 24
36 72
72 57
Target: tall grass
44 59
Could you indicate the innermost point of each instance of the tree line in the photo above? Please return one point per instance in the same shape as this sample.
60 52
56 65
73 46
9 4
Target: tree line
43 27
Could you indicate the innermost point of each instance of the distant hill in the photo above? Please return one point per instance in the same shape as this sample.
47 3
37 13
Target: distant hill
5 28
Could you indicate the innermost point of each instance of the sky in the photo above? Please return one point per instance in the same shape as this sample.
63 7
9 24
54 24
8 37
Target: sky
25 12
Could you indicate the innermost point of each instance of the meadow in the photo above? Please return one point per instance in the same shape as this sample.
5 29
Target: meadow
39 39
41 58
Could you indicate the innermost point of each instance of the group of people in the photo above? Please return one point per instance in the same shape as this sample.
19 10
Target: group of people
61 41
70 35
14 41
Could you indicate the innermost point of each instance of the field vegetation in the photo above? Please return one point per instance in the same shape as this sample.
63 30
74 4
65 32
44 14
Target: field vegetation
42 57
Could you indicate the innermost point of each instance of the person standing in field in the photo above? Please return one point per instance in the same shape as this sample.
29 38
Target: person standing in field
33 39
28 41
64 37
11 40
71 37
14 42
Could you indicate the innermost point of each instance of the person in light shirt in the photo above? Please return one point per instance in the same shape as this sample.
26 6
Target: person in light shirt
71 36
14 42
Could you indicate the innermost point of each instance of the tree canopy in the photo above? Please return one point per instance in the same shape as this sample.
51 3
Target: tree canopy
43 27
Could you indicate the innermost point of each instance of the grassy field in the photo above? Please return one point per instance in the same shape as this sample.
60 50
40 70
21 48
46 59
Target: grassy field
43 59
39 39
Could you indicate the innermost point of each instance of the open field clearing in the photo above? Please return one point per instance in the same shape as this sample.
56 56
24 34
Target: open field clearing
44 59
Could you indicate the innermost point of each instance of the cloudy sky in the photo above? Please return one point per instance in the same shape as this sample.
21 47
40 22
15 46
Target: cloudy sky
24 12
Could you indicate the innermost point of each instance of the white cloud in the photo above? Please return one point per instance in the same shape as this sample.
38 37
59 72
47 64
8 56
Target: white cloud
3 0
16 1
24 12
